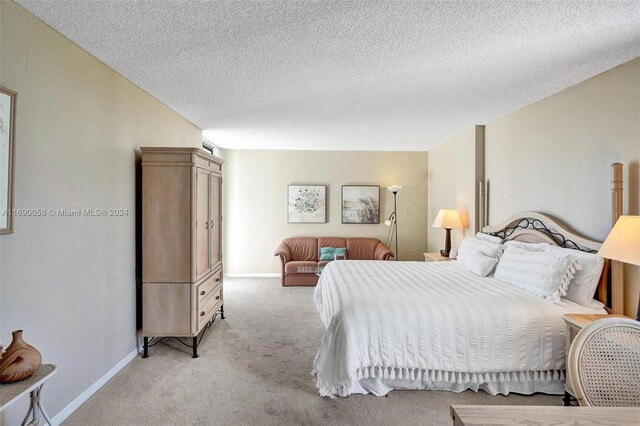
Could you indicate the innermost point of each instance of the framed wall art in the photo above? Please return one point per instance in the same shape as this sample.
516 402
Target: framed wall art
307 204
7 152
361 204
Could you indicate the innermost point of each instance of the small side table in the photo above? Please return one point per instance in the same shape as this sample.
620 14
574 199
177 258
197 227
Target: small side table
575 323
11 392
435 257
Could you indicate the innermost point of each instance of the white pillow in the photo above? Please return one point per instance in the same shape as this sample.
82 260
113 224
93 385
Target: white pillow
544 273
479 256
490 238
595 304
478 245
528 246
480 264
585 282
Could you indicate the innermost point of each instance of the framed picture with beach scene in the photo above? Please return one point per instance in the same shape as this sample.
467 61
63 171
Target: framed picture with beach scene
361 204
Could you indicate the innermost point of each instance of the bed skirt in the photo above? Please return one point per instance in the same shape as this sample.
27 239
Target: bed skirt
381 380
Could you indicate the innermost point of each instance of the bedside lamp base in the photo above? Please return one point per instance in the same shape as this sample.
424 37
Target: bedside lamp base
447 243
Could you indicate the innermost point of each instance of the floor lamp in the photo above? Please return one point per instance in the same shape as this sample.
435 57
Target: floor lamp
393 219
623 243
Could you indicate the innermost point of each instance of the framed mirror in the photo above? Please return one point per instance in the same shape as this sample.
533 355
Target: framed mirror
7 151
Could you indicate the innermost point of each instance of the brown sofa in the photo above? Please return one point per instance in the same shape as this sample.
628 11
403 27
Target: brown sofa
300 255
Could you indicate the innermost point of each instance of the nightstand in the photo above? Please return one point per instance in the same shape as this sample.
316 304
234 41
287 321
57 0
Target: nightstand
435 257
575 323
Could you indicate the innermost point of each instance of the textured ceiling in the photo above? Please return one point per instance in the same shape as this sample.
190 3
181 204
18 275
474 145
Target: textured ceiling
356 75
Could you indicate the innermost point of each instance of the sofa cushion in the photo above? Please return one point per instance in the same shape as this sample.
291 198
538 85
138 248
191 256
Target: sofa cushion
361 248
330 253
326 253
303 248
323 263
300 267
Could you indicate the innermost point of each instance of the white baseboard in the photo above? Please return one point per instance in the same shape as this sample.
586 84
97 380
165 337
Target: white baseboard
258 275
84 396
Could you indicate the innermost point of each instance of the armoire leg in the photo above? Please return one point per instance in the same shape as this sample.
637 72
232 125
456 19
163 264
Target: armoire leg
221 311
195 347
145 348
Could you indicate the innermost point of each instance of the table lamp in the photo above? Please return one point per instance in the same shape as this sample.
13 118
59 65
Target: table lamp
623 242
448 220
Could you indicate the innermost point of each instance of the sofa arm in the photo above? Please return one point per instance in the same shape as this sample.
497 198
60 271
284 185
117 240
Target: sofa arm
284 252
382 252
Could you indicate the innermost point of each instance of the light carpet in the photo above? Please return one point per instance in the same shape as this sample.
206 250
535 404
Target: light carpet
255 369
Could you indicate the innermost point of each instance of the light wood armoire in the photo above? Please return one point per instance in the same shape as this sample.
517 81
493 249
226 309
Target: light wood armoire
181 244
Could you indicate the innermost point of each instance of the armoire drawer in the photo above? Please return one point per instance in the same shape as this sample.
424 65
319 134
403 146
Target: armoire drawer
208 305
204 289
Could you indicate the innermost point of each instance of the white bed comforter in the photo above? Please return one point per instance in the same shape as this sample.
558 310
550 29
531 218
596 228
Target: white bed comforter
433 326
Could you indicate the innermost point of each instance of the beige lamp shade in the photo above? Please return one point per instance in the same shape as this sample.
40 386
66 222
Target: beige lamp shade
448 219
623 242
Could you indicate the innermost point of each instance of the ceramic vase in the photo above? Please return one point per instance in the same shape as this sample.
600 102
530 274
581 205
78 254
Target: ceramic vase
20 360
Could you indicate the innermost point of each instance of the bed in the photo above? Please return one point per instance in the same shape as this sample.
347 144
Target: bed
434 325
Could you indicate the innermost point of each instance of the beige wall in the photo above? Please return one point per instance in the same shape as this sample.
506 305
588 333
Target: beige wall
256 200
554 156
455 167
69 282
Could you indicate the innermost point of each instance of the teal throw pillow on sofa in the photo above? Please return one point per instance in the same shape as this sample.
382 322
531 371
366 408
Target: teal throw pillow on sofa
329 253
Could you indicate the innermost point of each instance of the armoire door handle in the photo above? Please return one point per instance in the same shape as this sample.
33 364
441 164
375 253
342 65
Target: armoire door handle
211 224
206 225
